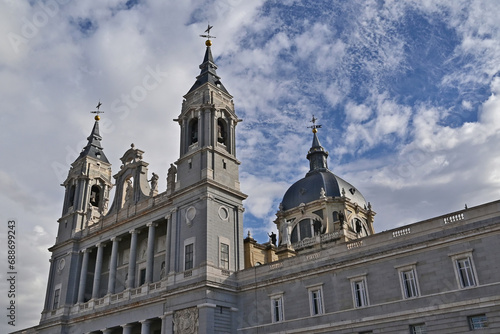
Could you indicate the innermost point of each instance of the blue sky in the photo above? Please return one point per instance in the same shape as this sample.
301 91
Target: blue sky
406 93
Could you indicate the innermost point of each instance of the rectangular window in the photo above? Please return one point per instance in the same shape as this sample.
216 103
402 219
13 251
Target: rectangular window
418 329
478 321
142 276
55 305
409 283
188 257
316 301
359 292
277 308
465 272
463 264
224 256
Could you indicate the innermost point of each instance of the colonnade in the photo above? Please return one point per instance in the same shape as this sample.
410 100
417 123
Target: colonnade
132 264
146 326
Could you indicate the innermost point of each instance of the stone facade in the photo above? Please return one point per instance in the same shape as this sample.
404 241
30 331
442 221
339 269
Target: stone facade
441 300
176 261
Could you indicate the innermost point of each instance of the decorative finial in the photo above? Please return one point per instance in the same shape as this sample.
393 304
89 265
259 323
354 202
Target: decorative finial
315 126
99 104
208 36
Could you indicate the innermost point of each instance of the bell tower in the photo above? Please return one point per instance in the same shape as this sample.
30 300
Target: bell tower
208 121
86 187
207 188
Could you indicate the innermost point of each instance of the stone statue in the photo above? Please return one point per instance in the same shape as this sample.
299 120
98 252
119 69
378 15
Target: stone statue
162 271
341 219
89 213
272 236
129 192
105 206
284 232
317 227
172 171
154 183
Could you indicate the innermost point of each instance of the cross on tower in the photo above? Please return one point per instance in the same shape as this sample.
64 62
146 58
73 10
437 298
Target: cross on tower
315 126
208 36
97 112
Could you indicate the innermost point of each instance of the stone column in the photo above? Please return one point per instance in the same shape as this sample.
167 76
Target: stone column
106 331
97 271
168 234
150 252
127 328
49 286
173 240
145 326
167 323
112 266
231 137
132 260
83 276
206 314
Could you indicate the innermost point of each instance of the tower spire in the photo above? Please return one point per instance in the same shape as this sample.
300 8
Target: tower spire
208 68
93 147
317 155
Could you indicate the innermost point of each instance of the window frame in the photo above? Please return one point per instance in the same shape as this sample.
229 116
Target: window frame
418 329
224 256
413 291
365 300
320 306
482 324
277 310
56 299
189 242
470 271
297 229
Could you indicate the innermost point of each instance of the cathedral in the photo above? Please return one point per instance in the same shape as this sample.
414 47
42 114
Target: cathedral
179 261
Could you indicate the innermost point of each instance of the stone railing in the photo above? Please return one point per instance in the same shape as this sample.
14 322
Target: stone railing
401 232
453 218
354 244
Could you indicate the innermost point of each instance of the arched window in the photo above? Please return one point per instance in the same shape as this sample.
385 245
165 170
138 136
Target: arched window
221 131
306 228
193 131
71 200
359 227
95 195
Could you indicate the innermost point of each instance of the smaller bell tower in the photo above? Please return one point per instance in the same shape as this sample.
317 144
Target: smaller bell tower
87 187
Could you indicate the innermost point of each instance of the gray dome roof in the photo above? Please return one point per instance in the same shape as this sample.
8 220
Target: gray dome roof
308 189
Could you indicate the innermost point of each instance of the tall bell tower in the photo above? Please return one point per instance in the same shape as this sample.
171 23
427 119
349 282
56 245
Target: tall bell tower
208 121
207 174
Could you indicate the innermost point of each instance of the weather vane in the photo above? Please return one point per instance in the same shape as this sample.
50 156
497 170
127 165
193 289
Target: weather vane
208 36
97 112
315 126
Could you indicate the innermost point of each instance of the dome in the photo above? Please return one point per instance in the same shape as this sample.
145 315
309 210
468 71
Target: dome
309 188
319 177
